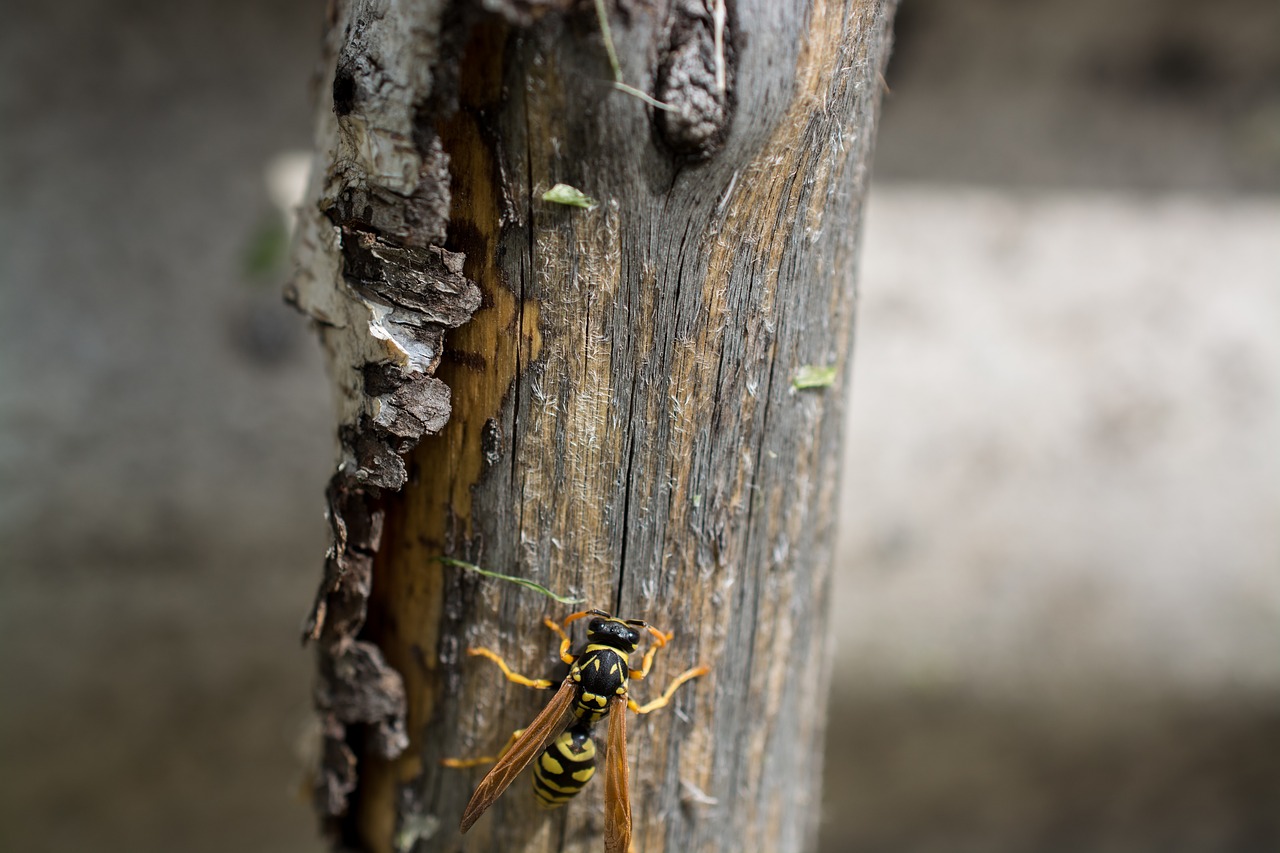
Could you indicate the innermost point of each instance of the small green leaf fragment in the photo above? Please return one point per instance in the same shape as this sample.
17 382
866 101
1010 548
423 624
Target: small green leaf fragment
814 376
697 501
525 582
572 196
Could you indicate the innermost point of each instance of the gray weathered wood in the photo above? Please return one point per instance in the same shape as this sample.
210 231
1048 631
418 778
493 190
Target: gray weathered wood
623 421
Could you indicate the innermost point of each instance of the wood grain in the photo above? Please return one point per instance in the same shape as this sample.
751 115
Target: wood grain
623 422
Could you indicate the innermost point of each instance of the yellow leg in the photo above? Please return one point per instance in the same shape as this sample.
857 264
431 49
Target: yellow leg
564 640
661 701
659 640
536 683
463 763
582 614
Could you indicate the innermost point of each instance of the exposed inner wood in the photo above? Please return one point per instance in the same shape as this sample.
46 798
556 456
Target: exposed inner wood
479 364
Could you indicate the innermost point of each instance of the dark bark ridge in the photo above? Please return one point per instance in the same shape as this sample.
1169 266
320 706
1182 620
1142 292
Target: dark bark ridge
425 293
391 259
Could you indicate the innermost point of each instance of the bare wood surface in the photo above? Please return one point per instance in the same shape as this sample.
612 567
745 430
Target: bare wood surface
624 422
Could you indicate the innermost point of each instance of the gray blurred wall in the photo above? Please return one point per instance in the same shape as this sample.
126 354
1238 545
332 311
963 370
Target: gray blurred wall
164 430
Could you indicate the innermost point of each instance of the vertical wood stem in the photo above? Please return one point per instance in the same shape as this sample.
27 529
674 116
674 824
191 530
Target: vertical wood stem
624 422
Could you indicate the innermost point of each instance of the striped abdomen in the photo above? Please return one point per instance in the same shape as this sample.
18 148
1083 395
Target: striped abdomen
564 767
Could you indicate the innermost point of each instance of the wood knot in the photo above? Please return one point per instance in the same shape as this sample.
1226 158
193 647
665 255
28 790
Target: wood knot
696 79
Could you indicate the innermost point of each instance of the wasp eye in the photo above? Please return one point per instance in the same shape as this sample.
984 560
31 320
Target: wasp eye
595 625
633 637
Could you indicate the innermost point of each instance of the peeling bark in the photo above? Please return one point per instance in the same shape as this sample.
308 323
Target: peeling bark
374 276
612 412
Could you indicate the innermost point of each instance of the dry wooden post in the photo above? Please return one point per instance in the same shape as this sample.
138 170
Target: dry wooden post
625 422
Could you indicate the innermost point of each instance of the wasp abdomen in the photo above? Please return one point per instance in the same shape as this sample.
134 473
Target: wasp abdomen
564 767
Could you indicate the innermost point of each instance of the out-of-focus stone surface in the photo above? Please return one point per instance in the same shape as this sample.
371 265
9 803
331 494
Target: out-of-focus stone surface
958 770
1146 94
1059 608
1063 464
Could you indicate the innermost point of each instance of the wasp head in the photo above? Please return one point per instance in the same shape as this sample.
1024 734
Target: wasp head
620 634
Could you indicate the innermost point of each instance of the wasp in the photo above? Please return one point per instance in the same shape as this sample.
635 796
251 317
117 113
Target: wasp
595 688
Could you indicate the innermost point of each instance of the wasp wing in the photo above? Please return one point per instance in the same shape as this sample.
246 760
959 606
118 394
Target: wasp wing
617 788
535 738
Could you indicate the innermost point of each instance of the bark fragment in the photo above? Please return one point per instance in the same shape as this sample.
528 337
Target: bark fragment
371 271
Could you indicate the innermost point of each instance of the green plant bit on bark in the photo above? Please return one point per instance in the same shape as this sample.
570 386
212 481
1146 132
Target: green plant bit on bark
572 196
647 98
814 376
607 33
525 582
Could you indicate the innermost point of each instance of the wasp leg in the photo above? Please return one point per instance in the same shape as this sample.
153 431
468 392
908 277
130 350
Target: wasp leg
661 701
659 640
581 614
564 640
463 763
536 683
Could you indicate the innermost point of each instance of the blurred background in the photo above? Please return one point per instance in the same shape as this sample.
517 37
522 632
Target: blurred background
1059 601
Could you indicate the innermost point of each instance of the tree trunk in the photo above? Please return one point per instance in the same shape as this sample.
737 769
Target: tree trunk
626 423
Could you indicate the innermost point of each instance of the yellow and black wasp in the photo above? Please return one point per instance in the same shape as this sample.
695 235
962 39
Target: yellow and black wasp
595 688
